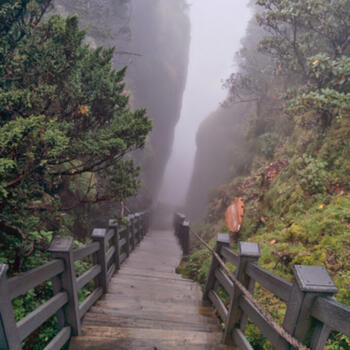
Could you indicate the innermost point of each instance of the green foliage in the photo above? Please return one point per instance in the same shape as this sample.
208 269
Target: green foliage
267 144
338 342
298 213
311 174
313 237
64 131
299 29
308 41
336 152
327 89
196 267
27 303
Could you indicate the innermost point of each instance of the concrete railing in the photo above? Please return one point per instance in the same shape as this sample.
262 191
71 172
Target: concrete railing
312 311
182 232
109 249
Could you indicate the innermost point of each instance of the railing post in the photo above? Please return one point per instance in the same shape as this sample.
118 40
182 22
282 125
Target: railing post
137 228
149 220
9 339
145 220
248 252
57 288
175 222
99 235
178 221
62 248
320 336
179 234
186 237
221 241
113 225
145 223
182 219
142 225
310 282
127 238
131 219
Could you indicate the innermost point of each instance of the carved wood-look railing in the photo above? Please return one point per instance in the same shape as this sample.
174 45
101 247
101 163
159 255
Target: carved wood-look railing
312 311
109 249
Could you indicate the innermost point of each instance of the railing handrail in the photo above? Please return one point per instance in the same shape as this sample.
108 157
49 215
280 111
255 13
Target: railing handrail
305 299
66 284
340 320
22 283
85 251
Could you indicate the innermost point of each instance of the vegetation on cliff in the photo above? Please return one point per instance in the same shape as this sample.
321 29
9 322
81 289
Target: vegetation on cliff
292 165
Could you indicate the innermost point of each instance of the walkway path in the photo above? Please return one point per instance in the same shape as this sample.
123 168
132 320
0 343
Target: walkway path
150 307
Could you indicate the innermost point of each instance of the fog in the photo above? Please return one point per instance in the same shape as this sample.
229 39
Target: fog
216 30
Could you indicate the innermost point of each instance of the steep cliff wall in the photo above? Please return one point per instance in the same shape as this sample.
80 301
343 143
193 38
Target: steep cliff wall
161 34
216 140
152 39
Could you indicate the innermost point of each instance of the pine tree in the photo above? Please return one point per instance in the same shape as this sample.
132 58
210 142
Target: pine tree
65 129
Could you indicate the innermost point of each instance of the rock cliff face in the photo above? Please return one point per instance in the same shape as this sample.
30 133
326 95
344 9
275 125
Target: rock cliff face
216 138
161 33
151 38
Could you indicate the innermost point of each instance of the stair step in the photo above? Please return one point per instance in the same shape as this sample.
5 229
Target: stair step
90 343
206 315
150 307
99 319
165 336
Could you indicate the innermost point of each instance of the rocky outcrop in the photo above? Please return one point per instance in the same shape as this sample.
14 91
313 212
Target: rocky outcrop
216 138
157 78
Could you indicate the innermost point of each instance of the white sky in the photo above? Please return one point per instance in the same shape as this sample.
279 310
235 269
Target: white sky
216 29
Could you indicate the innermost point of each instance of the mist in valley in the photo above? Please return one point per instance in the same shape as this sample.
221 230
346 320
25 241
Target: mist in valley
216 30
